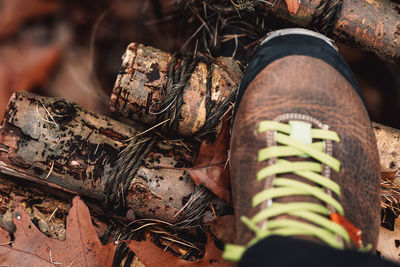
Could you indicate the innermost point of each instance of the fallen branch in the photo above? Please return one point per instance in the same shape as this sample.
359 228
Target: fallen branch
373 26
141 89
60 145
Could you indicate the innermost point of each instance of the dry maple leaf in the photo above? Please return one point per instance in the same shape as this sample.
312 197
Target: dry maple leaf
389 242
210 168
293 5
151 255
31 247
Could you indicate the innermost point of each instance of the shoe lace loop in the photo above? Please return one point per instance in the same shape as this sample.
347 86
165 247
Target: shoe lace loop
315 217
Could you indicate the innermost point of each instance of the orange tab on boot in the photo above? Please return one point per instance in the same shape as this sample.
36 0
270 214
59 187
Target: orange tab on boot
354 232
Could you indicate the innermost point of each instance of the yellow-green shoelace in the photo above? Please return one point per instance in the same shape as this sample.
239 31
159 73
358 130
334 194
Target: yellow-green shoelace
291 144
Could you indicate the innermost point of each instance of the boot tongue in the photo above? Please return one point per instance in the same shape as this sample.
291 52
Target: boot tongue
301 131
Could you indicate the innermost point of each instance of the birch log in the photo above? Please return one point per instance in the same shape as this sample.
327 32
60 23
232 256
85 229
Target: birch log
59 144
372 25
138 90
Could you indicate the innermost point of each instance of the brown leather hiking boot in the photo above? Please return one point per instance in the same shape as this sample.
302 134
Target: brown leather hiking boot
304 161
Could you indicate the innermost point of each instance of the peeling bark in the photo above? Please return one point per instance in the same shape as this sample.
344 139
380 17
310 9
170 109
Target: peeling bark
138 90
61 145
372 25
